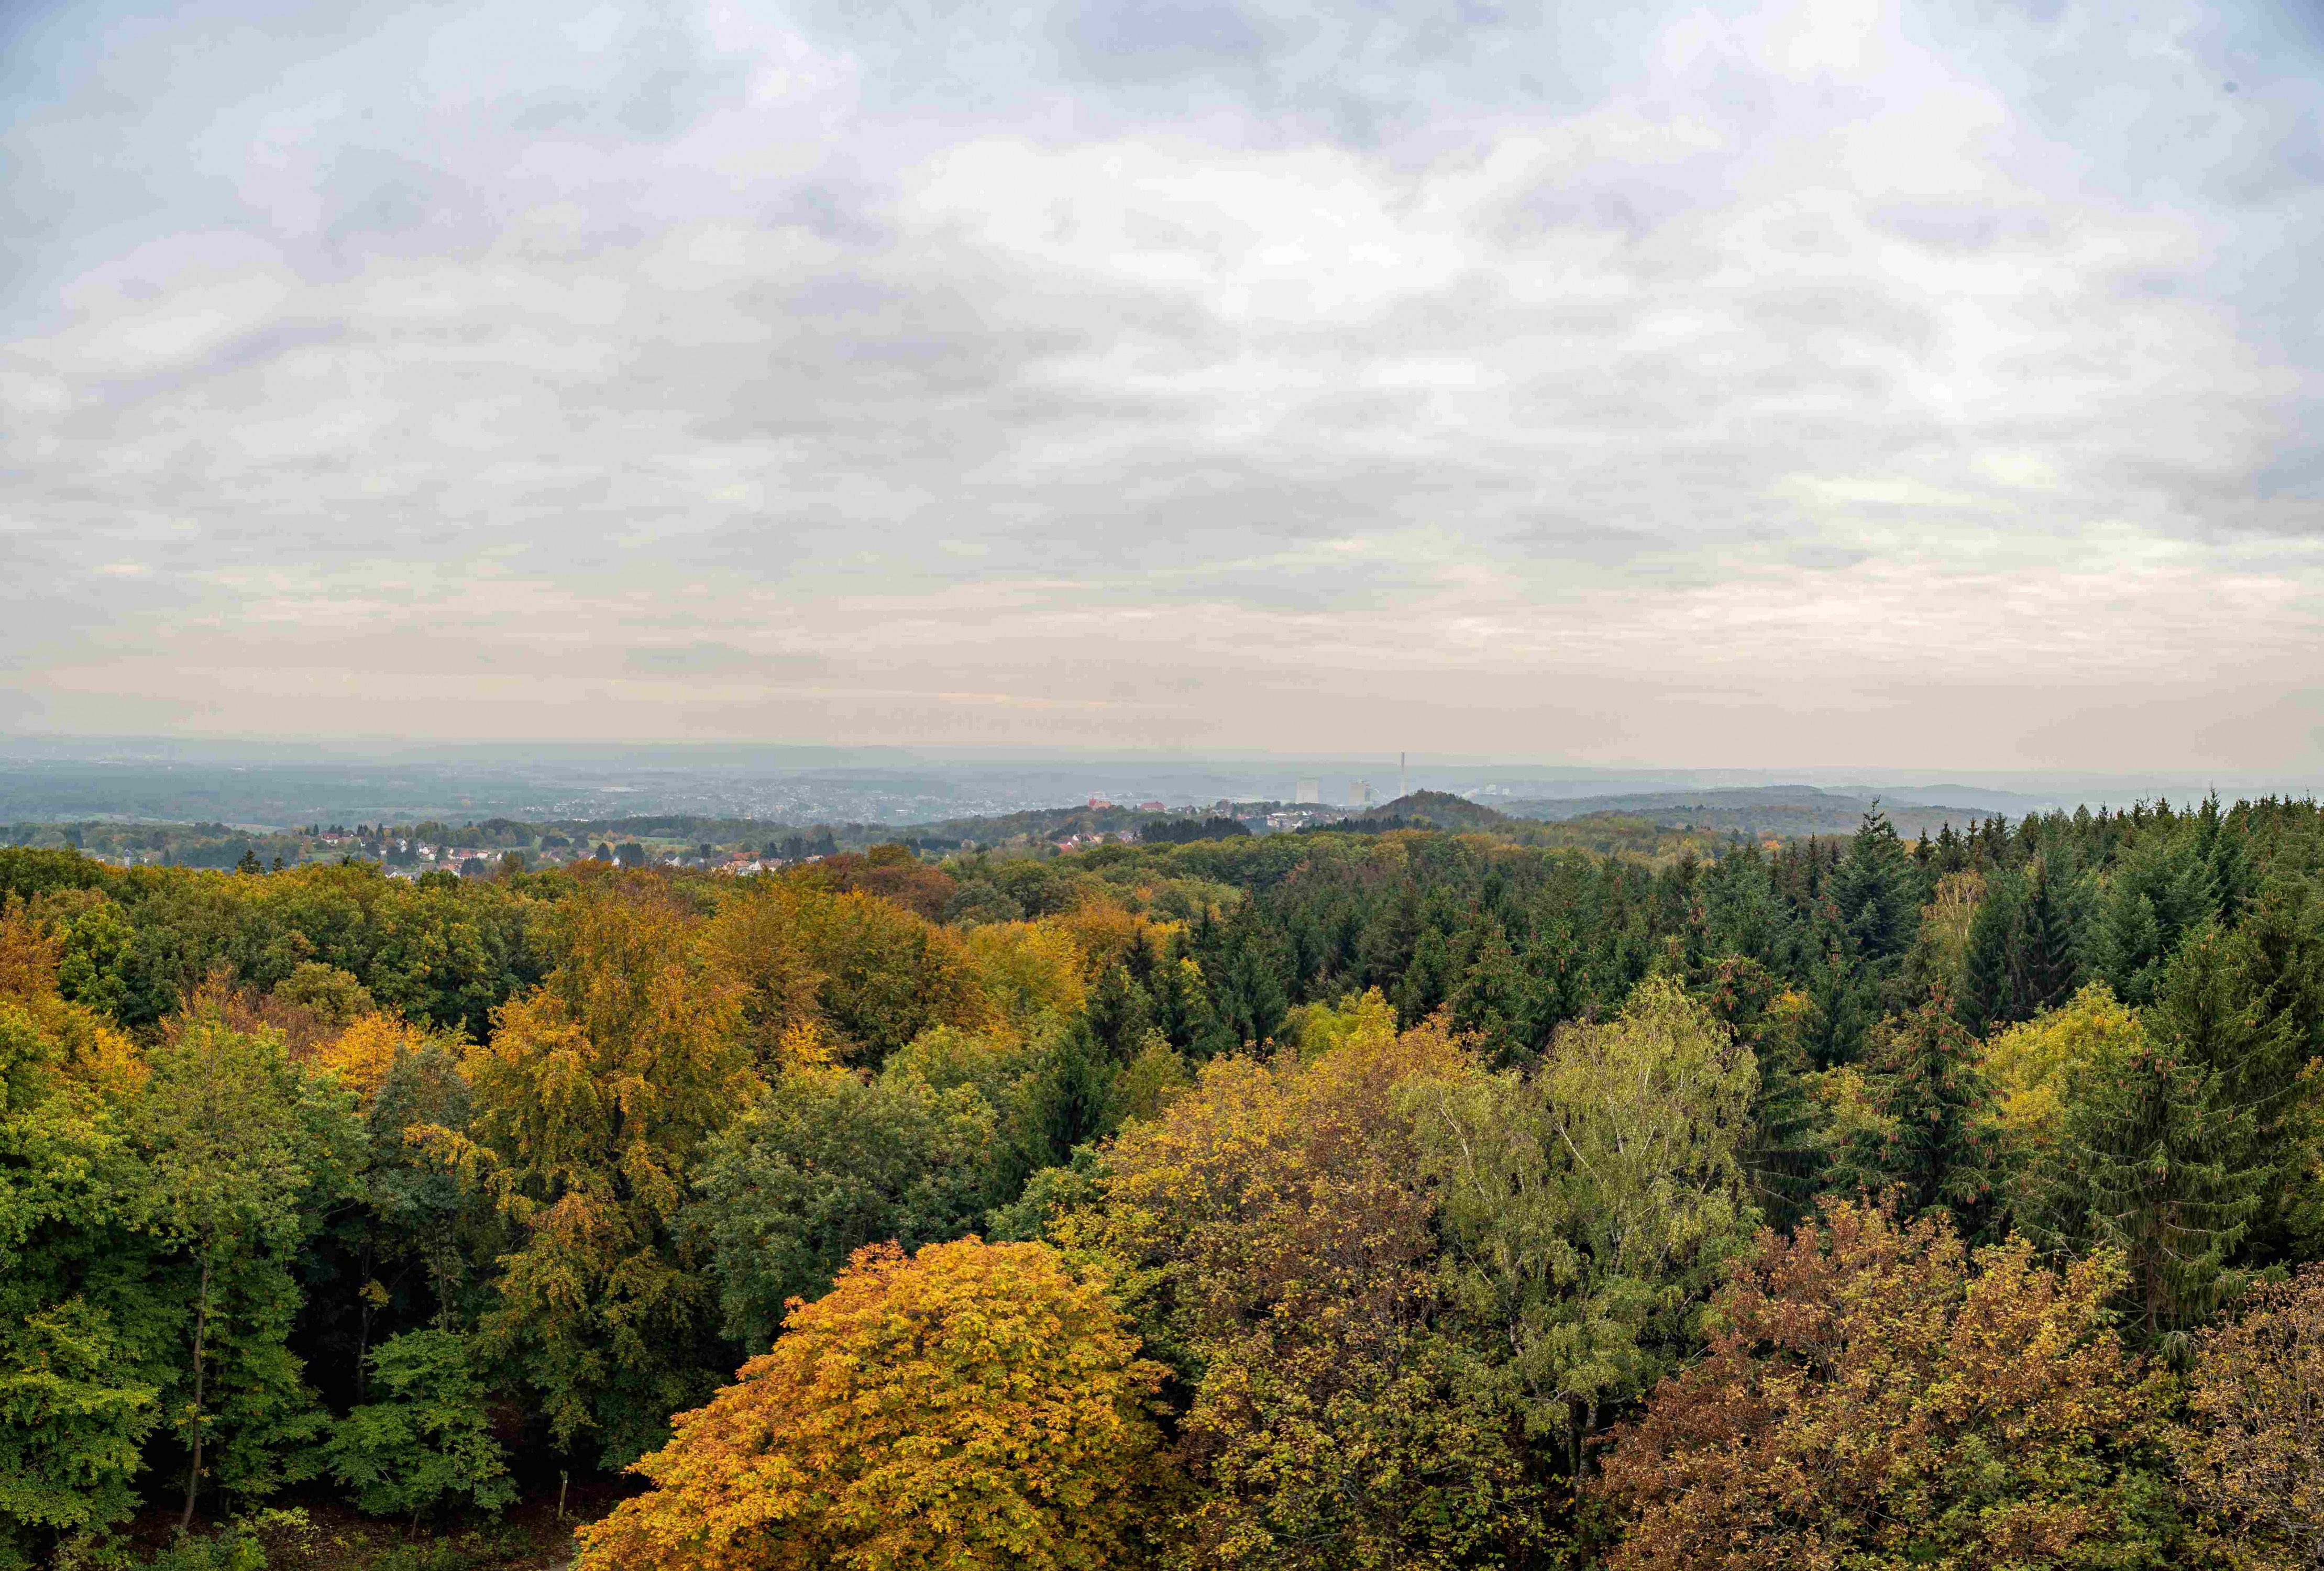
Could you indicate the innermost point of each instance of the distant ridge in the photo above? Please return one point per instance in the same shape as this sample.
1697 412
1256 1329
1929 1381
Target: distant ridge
1758 810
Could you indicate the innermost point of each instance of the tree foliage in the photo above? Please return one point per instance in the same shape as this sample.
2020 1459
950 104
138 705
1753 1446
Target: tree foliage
973 1407
428 1440
1874 1397
591 1105
2254 1456
828 1162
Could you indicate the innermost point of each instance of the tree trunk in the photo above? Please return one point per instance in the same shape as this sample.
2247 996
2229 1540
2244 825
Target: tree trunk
363 1312
201 1336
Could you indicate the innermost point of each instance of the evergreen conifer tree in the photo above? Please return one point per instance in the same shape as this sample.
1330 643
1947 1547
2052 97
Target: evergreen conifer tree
2047 967
1878 891
1987 993
2147 1166
1490 998
1942 1146
2160 1156
2127 947
1428 981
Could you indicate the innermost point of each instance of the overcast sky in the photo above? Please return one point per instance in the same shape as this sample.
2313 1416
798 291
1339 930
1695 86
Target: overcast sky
1826 384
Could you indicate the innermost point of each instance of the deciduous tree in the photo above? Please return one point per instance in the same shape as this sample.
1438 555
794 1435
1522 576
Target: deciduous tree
826 1164
973 1408
1280 1214
2253 1455
1874 1399
590 1107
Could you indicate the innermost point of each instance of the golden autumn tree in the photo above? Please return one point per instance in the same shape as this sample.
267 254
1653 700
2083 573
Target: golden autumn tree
1028 970
755 940
589 1107
1875 1398
2032 1065
973 1407
366 1053
884 974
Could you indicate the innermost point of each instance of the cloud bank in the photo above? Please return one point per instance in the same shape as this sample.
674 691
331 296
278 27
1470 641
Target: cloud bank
1814 383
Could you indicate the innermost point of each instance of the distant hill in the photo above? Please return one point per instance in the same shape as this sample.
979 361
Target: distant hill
1438 809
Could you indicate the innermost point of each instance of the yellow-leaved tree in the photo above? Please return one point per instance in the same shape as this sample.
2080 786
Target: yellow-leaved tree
1029 970
589 1107
970 1407
2033 1064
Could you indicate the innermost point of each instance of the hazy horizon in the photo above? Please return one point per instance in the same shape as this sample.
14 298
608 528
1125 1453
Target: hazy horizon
56 781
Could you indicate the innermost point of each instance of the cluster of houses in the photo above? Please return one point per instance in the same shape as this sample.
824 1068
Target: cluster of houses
1094 838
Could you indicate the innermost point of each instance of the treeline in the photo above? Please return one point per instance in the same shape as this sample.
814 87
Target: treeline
1390 1199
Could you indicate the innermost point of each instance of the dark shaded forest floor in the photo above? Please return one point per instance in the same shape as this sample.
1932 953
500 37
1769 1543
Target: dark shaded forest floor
530 1536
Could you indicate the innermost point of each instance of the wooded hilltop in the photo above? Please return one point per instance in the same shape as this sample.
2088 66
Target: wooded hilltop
1321 1201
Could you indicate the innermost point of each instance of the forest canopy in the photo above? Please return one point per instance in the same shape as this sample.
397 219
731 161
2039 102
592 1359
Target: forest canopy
1404 1197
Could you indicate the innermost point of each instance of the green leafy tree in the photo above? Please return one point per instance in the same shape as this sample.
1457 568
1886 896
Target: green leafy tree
79 1322
93 968
1588 1211
74 1416
240 1148
416 1246
826 1164
427 1441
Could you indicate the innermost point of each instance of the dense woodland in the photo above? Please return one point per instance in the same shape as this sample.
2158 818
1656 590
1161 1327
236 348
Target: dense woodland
1336 1201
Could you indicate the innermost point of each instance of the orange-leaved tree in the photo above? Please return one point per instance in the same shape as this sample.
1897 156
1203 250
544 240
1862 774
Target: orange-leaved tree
973 1407
1875 1397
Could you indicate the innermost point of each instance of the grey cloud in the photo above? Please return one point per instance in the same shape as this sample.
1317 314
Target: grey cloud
683 364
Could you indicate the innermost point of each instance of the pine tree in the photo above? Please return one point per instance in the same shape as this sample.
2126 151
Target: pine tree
2160 1156
2046 968
1121 1013
1428 981
1490 998
1878 890
1784 1153
2219 849
2147 1166
1987 993
1248 997
1942 1146
2127 947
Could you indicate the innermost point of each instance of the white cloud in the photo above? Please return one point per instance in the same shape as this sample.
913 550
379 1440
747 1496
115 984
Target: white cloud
1796 362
